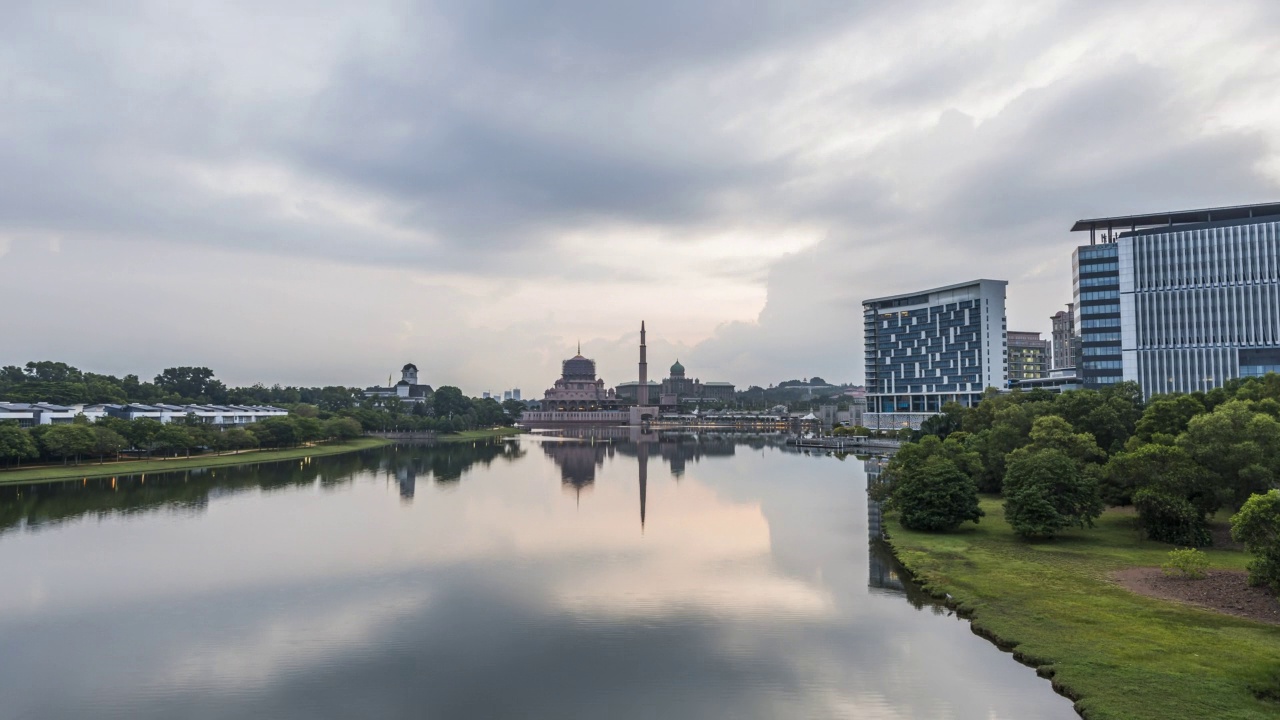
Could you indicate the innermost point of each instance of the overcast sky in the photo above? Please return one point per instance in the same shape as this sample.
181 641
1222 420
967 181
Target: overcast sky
317 192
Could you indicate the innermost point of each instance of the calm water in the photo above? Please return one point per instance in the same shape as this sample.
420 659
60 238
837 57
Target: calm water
681 577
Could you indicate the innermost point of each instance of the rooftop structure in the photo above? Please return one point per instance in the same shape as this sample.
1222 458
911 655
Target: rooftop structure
1179 301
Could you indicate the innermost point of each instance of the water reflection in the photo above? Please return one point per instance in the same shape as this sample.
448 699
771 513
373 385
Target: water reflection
460 582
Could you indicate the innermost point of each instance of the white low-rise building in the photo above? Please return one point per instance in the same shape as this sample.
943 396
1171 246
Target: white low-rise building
30 414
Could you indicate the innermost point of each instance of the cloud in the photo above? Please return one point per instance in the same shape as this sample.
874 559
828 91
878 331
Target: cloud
741 177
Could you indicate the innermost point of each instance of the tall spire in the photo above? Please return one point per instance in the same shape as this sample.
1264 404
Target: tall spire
579 347
642 391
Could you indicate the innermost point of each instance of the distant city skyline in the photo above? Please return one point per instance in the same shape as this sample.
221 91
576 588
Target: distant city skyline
315 194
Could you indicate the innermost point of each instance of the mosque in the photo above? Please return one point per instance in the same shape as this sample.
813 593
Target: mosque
579 396
578 388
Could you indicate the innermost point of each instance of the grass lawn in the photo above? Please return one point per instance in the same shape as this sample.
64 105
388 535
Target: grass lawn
487 433
129 467
1121 655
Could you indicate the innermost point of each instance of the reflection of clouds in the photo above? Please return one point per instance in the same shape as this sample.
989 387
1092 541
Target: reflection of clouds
745 596
257 655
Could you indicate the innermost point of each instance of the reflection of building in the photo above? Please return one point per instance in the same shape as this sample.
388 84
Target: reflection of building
1179 301
931 347
578 389
882 570
407 477
408 389
1028 356
578 461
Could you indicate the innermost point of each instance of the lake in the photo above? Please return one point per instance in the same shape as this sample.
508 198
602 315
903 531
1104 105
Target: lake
636 576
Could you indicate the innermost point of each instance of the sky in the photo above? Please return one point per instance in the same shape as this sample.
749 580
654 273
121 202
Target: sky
314 193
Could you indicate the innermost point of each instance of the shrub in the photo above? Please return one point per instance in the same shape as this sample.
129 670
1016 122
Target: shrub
1171 519
1187 563
936 496
1257 525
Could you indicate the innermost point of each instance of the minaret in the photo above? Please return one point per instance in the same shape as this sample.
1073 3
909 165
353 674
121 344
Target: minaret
642 392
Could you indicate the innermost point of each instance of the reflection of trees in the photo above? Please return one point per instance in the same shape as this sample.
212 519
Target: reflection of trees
44 504
445 463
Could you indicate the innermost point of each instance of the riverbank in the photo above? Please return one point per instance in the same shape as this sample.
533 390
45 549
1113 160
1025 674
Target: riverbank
133 467
1118 654
485 434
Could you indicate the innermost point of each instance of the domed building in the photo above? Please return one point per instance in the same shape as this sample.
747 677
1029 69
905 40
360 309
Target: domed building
578 388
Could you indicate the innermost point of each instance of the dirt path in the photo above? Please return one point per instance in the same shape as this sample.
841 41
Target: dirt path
1226 591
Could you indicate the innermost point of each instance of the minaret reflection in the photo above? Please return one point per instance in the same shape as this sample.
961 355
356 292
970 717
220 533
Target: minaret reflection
642 455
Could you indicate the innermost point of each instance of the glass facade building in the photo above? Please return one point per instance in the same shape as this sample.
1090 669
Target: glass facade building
1200 304
931 347
1096 290
1181 301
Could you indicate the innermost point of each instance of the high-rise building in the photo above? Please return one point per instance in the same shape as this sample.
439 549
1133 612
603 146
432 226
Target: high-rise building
1028 356
1064 331
515 393
930 347
1179 301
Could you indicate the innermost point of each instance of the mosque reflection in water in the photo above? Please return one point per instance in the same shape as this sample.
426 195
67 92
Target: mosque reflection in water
579 454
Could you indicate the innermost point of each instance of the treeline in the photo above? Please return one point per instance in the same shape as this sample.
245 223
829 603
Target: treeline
315 414
63 384
1058 460
110 437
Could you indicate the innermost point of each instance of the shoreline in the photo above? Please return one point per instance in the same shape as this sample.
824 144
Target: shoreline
1115 653
87 470
60 473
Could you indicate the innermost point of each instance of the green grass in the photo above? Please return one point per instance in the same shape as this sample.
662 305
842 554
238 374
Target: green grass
487 433
130 467
1121 655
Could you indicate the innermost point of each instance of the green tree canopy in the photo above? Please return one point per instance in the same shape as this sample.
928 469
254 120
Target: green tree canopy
936 496
1238 444
1046 491
16 444
1257 526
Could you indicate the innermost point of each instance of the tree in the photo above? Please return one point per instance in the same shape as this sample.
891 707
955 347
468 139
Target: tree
174 438
307 429
1164 468
1167 415
448 401
1169 518
1257 526
16 444
239 439
1046 491
142 433
191 383
68 441
1239 445
343 428
950 420
936 497
513 408
1009 430
107 442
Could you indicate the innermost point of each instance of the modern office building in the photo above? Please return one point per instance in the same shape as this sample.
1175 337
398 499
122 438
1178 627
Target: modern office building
1064 342
1179 301
1028 356
927 348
